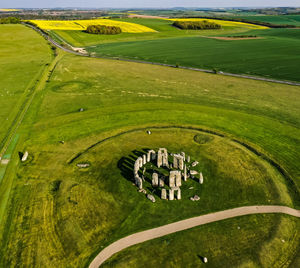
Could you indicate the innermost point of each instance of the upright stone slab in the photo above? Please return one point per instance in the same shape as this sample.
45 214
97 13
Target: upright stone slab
188 159
178 178
136 166
178 161
155 179
171 194
163 194
184 173
172 178
139 182
140 161
183 155
178 196
161 183
200 178
150 155
144 159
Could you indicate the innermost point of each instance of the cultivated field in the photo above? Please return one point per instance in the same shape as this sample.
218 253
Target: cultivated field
245 134
83 24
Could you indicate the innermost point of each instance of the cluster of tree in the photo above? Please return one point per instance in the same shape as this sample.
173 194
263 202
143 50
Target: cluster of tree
261 23
103 29
9 20
196 25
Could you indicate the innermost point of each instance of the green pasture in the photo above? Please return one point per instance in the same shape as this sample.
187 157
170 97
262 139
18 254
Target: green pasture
60 215
275 19
23 55
271 56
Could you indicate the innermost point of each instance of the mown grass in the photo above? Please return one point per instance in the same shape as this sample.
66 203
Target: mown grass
61 216
23 57
230 243
272 56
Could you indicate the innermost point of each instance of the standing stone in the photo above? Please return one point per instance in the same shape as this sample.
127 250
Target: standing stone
155 179
188 159
140 161
139 182
178 196
144 159
178 178
24 157
171 194
201 178
136 167
183 155
178 161
184 173
161 183
149 154
163 194
172 178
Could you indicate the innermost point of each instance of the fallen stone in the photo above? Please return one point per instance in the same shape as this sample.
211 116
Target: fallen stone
24 157
83 165
195 163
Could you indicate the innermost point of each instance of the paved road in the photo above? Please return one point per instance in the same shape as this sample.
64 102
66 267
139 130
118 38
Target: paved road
162 64
183 225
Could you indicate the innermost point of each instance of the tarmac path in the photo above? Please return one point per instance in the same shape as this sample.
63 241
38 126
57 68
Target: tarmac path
143 236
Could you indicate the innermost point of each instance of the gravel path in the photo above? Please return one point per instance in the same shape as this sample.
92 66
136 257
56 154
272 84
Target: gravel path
183 225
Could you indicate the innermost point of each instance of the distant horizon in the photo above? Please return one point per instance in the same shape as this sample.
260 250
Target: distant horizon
148 4
150 8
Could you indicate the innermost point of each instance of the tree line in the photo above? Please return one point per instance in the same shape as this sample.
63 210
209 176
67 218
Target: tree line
103 29
196 25
9 20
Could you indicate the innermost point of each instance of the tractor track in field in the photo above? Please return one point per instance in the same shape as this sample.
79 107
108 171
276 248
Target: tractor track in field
47 37
178 226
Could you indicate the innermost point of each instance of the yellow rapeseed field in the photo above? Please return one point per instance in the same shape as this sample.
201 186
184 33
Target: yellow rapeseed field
8 9
225 23
82 25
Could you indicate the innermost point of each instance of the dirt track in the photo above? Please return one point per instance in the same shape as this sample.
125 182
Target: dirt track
183 225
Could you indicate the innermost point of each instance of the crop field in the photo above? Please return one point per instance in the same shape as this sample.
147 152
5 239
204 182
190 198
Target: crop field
244 133
82 25
162 29
276 54
224 23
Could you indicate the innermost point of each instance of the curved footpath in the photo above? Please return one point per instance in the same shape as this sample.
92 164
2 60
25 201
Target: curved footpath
47 37
186 224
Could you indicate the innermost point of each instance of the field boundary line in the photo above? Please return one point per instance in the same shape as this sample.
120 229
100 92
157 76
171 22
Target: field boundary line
178 226
252 77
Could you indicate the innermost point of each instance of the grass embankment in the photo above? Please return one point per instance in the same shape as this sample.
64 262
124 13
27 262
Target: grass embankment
60 215
275 55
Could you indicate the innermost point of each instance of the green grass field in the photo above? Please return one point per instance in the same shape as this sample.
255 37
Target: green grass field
230 243
276 55
275 19
19 71
59 215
